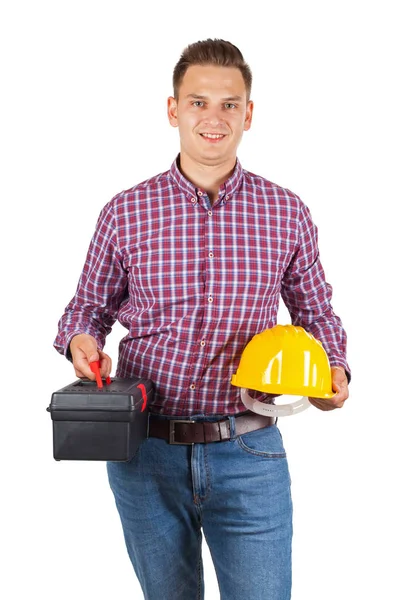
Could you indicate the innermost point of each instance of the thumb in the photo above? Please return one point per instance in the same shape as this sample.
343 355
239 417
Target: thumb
84 351
88 345
93 356
89 351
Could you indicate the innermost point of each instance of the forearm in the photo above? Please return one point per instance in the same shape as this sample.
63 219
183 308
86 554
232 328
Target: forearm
328 329
100 291
307 295
308 300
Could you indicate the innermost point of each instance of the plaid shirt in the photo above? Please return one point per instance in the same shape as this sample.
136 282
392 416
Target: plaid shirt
193 282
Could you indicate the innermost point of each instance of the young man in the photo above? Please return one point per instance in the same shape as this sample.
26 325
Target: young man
192 263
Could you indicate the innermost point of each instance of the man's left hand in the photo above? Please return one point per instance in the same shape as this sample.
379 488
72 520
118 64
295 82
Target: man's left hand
340 386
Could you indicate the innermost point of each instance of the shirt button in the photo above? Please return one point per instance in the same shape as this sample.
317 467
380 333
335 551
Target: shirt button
210 299
227 197
193 200
210 254
200 193
210 213
202 343
192 387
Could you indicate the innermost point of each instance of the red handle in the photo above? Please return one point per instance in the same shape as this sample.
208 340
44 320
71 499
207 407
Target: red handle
95 368
144 395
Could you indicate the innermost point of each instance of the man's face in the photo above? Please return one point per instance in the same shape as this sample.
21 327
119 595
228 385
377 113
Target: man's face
211 112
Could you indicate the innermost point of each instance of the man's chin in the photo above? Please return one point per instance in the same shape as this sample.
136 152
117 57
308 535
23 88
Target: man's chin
215 155
209 157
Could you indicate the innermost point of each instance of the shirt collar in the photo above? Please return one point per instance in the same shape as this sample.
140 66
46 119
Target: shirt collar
226 190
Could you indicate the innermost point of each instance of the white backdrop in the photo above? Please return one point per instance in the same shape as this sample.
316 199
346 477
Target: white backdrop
83 116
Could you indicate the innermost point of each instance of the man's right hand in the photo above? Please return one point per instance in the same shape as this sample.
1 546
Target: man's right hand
84 351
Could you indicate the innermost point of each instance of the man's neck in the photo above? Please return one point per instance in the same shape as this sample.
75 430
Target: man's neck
207 177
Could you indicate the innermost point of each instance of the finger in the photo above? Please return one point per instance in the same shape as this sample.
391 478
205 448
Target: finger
82 369
105 364
328 403
339 400
81 365
324 405
339 384
91 354
84 375
342 393
85 354
84 346
339 380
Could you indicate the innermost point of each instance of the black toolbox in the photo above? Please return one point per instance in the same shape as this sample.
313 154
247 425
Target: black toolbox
108 423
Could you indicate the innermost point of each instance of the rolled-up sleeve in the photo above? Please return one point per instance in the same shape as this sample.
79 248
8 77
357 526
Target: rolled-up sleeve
101 288
307 294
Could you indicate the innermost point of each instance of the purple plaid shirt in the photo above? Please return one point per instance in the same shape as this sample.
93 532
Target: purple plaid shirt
192 283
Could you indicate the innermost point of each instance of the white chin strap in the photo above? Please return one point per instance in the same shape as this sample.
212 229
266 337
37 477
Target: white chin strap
274 410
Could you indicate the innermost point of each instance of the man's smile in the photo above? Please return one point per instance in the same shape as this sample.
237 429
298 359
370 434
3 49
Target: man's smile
213 137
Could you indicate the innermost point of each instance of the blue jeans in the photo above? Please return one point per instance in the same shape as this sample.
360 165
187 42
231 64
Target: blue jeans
236 492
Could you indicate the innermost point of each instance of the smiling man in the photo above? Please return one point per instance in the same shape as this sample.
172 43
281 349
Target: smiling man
212 110
193 262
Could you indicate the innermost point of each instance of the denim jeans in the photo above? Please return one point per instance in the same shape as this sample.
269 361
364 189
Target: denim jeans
236 493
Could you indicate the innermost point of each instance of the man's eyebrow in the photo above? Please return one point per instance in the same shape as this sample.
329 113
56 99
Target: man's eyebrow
232 99
196 96
228 99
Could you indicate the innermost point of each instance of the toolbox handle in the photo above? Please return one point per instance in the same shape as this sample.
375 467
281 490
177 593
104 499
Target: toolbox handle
142 388
95 368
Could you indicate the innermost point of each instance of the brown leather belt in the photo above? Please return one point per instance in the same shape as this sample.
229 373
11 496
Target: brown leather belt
179 431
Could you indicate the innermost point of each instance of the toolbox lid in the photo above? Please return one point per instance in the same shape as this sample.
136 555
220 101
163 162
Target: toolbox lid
120 395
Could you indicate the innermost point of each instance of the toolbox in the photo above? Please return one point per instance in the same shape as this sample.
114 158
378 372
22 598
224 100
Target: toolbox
107 423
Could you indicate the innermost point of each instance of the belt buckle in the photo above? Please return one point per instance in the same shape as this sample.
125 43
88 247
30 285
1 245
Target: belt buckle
171 438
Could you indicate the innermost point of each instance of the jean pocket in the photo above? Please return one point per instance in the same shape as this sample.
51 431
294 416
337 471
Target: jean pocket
266 442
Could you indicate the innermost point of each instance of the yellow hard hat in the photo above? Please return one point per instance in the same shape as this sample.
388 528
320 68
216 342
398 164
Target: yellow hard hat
285 359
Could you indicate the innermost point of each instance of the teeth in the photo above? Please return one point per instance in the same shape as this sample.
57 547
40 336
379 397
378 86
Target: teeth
213 136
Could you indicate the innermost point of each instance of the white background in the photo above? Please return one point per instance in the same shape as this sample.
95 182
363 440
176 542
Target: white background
83 116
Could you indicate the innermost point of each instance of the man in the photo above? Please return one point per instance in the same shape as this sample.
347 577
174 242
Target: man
192 263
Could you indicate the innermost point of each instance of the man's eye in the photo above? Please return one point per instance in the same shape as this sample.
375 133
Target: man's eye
230 105
198 103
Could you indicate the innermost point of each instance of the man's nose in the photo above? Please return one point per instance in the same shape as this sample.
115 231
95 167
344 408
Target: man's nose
213 117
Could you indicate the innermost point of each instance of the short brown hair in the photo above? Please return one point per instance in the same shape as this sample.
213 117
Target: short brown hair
211 52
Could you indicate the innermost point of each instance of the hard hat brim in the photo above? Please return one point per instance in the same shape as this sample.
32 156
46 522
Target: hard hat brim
289 391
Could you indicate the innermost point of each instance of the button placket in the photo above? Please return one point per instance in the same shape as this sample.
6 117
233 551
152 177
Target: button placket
210 267
209 297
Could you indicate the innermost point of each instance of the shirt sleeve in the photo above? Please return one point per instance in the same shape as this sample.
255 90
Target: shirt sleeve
101 288
307 294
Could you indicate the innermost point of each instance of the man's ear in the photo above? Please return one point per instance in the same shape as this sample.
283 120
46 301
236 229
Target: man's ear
173 111
249 115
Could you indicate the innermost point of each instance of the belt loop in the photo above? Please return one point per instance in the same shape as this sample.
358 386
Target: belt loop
232 427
